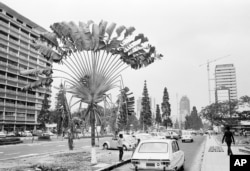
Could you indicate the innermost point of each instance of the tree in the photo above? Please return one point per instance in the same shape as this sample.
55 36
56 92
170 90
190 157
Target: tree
125 109
44 115
158 115
245 99
94 55
220 113
146 115
166 109
193 121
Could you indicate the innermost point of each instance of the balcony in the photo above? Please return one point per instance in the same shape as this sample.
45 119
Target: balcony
2 66
10 118
14 33
12 105
2 80
4 37
21 106
31 119
21 98
20 118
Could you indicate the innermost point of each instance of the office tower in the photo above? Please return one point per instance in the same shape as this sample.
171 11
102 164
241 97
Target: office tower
19 109
184 110
225 83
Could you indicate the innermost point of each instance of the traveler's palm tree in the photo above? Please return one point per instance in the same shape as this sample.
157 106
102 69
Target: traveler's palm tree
94 55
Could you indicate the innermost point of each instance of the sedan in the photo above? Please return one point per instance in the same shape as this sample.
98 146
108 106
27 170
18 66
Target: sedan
128 144
2 135
158 154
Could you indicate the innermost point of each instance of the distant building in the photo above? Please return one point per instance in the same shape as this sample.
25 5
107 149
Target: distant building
184 109
152 106
19 109
225 83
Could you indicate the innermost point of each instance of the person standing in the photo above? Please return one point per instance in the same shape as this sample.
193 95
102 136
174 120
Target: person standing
229 138
120 146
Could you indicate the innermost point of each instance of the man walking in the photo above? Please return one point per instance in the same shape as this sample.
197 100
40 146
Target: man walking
229 138
120 146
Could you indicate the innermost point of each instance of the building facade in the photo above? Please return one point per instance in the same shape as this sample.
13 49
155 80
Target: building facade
19 109
225 83
184 110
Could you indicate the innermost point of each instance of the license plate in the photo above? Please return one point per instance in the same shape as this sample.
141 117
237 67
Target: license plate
150 164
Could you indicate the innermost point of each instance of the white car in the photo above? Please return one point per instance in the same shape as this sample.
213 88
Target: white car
27 134
143 136
128 144
187 136
158 154
158 135
2 135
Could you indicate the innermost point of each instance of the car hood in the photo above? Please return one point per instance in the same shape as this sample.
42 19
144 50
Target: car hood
151 156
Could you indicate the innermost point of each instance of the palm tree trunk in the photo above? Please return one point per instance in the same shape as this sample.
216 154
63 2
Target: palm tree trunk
92 123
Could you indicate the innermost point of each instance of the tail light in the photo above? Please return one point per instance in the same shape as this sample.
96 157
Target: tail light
165 162
135 162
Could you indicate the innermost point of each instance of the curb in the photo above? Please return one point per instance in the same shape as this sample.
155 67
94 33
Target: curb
203 160
108 168
244 150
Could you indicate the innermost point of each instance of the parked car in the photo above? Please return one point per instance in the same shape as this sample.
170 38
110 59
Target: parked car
2 134
158 154
186 136
37 132
158 135
143 136
128 144
174 135
10 134
27 134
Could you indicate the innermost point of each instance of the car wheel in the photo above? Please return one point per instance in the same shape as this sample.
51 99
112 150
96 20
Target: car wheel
105 146
125 148
136 168
182 140
192 140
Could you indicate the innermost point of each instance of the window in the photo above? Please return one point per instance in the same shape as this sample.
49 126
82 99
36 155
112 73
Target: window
4 47
153 147
24 31
12 63
3 33
14 26
33 58
19 21
14 38
4 20
11 16
13 50
28 26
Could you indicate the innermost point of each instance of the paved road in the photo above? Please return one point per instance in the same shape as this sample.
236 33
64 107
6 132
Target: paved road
191 149
41 147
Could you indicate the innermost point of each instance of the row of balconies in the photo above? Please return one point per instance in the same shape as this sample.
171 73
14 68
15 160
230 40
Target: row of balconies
13 118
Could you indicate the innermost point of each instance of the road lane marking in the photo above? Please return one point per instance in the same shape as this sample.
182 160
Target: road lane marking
28 155
11 154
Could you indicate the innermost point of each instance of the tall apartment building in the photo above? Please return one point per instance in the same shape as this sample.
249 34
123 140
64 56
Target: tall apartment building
225 82
184 109
19 109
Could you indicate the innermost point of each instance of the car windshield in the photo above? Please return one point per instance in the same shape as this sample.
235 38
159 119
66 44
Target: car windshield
153 147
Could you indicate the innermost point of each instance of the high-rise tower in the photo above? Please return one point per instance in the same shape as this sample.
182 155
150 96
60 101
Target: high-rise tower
225 82
19 109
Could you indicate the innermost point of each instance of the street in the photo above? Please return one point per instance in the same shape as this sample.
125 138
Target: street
191 150
44 147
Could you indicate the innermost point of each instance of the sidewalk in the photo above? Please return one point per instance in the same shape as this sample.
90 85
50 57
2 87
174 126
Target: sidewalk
215 155
112 156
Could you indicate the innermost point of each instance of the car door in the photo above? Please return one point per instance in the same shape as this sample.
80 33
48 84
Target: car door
179 155
113 143
174 161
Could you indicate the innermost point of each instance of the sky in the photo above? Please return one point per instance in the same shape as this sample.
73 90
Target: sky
187 32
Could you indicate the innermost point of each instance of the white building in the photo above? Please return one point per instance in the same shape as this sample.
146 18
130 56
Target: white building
225 82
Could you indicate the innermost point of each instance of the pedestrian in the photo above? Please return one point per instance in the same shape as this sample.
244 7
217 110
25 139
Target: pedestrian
120 146
229 138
